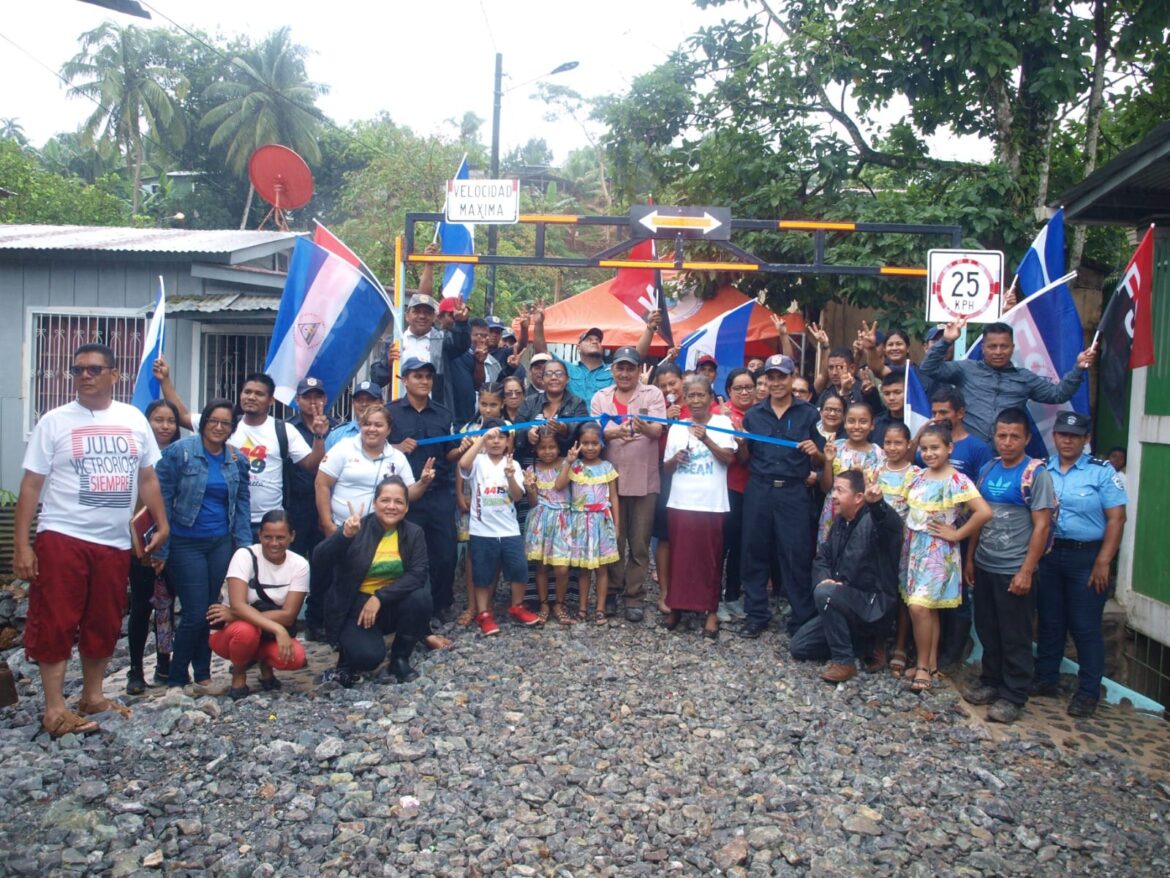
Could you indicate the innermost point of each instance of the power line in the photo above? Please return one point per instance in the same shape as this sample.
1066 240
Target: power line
488 24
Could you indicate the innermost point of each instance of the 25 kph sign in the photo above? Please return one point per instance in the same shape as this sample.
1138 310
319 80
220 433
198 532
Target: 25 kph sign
964 284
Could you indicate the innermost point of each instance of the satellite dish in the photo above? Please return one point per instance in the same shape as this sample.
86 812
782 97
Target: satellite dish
283 180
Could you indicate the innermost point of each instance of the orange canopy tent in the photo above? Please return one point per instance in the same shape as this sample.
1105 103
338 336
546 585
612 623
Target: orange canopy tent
596 307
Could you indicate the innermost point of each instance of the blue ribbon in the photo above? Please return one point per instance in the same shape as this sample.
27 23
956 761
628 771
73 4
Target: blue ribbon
605 420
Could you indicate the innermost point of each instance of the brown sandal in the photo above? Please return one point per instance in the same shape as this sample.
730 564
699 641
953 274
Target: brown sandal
70 723
465 618
600 619
86 709
542 616
917 684
562 615
582 616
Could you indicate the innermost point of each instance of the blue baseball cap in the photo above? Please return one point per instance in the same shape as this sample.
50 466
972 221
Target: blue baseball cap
779 363
373 388
414 364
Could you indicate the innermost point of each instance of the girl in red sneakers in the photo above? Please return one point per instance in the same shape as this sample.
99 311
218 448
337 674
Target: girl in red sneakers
495 541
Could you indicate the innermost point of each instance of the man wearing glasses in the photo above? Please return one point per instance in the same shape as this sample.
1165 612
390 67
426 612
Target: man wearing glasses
86 462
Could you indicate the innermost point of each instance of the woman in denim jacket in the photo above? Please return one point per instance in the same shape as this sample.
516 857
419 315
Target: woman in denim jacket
205 487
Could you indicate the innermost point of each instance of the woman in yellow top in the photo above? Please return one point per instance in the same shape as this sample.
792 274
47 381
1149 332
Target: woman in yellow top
380 564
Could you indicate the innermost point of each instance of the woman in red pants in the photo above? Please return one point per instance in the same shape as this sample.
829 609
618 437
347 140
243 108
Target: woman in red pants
266 586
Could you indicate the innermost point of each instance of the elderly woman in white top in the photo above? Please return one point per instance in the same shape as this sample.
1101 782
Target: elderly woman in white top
698 458
353 468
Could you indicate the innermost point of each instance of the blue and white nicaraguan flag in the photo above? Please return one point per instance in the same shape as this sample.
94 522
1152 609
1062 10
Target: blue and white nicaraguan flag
916 408
330 314
1047 329
146 386
457 239
724 338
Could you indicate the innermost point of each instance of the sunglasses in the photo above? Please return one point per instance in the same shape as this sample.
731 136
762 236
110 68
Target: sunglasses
91 371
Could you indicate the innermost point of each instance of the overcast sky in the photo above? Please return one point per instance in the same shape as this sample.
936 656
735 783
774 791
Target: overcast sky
423 63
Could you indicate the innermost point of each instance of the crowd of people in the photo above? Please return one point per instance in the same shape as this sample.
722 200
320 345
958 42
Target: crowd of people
574 483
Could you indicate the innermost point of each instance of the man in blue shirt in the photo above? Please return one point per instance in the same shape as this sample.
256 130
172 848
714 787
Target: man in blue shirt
1001 563
1074 577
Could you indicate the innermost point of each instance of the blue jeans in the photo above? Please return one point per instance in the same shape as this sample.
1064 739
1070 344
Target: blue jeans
195 569
1067 604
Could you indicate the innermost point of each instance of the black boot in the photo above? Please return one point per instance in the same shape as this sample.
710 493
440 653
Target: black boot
398 666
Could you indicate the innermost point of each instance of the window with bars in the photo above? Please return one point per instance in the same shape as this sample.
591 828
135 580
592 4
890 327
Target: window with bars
55 333
229 355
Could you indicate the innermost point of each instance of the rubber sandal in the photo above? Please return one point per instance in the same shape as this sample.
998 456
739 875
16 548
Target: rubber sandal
582 616
86 709
235 693
268 684
465 618
70 723
600 619
542 616
562 616
898 663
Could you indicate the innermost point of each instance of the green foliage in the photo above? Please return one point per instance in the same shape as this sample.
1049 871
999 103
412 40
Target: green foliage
45 197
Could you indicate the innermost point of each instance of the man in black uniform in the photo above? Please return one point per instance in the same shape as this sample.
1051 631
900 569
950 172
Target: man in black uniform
302 504
777 500
416 416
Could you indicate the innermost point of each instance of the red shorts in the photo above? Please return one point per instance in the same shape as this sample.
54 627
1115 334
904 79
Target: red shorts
79 595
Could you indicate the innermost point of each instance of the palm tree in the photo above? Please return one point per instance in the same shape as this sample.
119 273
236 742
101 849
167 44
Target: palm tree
269 100
119 70
11 129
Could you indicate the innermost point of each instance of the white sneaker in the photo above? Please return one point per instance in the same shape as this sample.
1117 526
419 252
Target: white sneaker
735 608
723 614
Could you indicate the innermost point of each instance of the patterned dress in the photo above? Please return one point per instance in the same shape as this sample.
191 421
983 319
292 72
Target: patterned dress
870 461
594 538
933 565
548 539
893 483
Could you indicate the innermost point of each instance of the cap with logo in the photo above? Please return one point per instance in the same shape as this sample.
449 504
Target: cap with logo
423 300
309 385
414 364
593 330
627 354
373 388
494 322
1071 422
779 363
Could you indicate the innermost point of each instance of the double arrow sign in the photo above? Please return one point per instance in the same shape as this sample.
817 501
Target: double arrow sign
702 223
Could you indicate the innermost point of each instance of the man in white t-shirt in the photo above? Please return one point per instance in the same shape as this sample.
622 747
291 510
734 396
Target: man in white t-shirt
86 462
256 438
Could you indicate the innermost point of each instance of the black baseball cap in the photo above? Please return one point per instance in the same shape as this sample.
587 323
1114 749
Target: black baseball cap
1072 422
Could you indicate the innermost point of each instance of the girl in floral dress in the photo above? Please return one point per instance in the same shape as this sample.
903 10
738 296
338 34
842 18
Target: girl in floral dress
855 451
938 498
898 469
594 518
547 541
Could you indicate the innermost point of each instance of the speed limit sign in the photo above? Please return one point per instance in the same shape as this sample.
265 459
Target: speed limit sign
964 284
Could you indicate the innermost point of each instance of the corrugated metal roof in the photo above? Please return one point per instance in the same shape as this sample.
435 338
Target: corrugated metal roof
121 239
217 303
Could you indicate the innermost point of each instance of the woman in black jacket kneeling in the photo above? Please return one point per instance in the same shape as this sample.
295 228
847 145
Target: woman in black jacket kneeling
380 586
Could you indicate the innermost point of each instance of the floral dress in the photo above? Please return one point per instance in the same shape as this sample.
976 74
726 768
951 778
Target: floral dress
549 535
893 483
870 462
594 538
933 565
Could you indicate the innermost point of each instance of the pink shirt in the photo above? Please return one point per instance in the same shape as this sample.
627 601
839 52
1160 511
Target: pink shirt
636 460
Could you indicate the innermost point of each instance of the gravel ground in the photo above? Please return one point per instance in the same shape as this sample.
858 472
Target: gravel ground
626 750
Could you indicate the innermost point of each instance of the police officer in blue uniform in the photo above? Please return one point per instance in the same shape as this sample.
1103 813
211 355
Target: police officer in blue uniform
416 416
777 500
1074 575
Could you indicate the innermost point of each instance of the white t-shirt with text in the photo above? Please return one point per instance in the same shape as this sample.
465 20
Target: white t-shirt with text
90 460
493 512
358 475
700 483
292 575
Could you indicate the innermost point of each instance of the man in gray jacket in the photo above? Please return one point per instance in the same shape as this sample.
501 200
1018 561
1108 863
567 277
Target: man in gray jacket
422 340
993 384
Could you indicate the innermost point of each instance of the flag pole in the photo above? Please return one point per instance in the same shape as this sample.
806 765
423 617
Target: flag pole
399 281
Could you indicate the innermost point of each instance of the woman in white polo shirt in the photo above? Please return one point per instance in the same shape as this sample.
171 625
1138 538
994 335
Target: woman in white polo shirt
353 468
